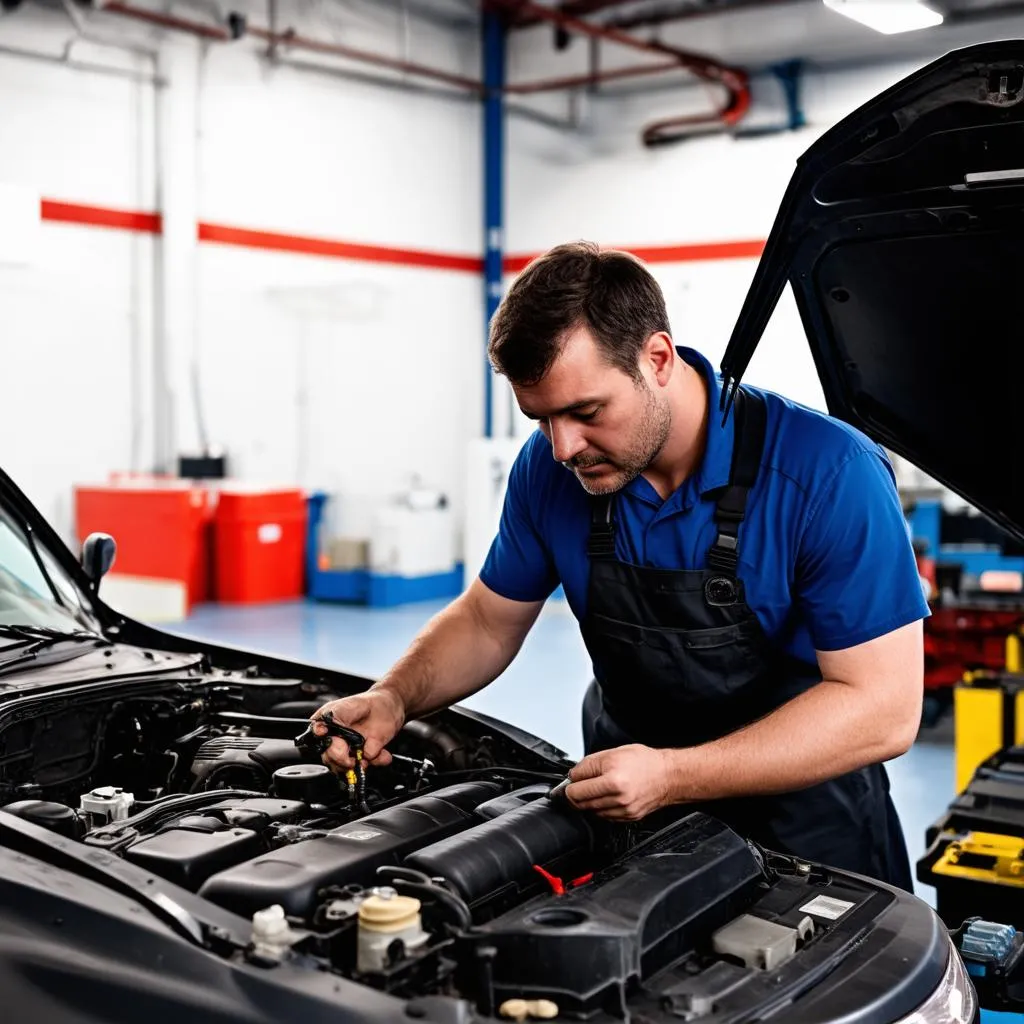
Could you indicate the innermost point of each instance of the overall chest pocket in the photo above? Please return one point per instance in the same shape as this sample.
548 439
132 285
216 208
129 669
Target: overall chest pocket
685 665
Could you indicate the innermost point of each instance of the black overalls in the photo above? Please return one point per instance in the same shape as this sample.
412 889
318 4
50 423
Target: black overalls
681 659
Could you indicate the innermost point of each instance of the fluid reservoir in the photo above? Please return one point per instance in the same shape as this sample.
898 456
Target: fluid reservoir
384 916
310 783
106 804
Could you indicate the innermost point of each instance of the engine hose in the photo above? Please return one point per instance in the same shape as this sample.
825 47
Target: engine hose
454 906
154 815
448 747
388 872
498 773
361 783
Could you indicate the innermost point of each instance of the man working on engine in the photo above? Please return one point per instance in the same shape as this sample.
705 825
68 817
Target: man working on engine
747 591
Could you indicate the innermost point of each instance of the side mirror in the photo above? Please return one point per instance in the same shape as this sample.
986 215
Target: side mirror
98 554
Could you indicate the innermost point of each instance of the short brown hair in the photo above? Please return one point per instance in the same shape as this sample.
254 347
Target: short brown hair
577 284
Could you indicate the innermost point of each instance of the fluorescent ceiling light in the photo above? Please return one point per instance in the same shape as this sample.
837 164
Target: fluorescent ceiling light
888 16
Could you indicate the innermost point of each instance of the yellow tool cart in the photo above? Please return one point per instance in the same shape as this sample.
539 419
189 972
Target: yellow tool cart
975 851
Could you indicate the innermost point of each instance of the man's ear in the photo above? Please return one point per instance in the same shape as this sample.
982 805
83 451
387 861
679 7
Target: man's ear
659 355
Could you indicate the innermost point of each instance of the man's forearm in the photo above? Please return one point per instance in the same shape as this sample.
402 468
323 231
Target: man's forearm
831 729
453 657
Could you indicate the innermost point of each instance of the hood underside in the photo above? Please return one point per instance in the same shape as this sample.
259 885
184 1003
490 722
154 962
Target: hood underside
902 236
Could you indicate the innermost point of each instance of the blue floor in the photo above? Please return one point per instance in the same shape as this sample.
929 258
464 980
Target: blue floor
540 692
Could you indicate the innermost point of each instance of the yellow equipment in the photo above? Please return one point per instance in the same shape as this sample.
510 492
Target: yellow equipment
988 713
975 851
985 857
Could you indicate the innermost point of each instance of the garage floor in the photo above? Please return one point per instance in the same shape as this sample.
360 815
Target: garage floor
540 692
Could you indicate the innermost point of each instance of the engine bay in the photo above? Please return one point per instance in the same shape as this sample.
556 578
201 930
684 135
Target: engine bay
454 871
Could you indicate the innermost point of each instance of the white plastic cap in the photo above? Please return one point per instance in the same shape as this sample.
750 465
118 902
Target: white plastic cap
270 925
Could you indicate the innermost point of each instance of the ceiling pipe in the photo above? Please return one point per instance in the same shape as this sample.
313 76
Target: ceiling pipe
290 39
735 81
293 40
592 78
238 27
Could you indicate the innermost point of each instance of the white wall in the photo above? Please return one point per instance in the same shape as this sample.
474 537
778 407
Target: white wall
602 184
341 374
75 322
336 373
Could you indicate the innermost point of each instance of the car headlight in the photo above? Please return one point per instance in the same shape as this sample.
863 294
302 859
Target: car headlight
953 1002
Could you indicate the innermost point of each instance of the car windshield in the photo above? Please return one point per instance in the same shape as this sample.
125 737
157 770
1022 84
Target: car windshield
30 596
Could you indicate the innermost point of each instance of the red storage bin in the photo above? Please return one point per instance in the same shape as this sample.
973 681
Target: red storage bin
259 545
161 529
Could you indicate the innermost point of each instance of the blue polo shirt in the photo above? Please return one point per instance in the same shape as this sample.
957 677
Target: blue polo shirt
825 553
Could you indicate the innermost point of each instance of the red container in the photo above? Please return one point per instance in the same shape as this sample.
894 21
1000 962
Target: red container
161 529
259 546
959 639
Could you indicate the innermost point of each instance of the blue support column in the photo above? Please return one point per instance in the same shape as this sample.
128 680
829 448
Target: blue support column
494 186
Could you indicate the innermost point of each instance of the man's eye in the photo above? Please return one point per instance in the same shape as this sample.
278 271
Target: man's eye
586 416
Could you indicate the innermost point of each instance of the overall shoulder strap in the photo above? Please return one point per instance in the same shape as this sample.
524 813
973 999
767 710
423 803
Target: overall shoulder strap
601 543
748 444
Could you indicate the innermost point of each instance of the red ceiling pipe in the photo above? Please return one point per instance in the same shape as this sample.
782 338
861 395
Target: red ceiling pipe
593 78
734 80
700 65
289 37
674 129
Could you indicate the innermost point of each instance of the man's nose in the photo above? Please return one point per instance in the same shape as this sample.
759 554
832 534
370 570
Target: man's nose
567 441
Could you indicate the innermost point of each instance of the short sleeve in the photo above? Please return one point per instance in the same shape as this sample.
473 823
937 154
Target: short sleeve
519 564
856 575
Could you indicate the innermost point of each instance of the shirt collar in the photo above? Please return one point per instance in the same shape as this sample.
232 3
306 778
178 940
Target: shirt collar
714 468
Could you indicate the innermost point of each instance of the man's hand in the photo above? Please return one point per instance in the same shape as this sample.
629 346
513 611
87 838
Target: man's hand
377 714
622 784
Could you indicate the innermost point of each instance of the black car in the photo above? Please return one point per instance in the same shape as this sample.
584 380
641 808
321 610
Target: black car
172 848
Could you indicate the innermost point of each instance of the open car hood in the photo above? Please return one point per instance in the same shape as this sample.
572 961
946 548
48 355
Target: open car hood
902 235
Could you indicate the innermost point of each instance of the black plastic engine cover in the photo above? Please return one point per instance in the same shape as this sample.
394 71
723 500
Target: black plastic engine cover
352 853
187 858
241 761
584 948
513 801
502 852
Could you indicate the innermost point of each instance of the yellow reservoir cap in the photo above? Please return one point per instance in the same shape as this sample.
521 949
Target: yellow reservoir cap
388 914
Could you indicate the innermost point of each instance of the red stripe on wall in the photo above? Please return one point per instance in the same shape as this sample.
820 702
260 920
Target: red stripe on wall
694 252
100 216
56 211
276 242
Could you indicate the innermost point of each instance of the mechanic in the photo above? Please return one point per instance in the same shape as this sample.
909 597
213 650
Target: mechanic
745 584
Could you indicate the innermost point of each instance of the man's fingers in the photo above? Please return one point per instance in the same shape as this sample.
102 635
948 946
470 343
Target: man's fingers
600 803
337 755
579 793
375 753
619 814
589 768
